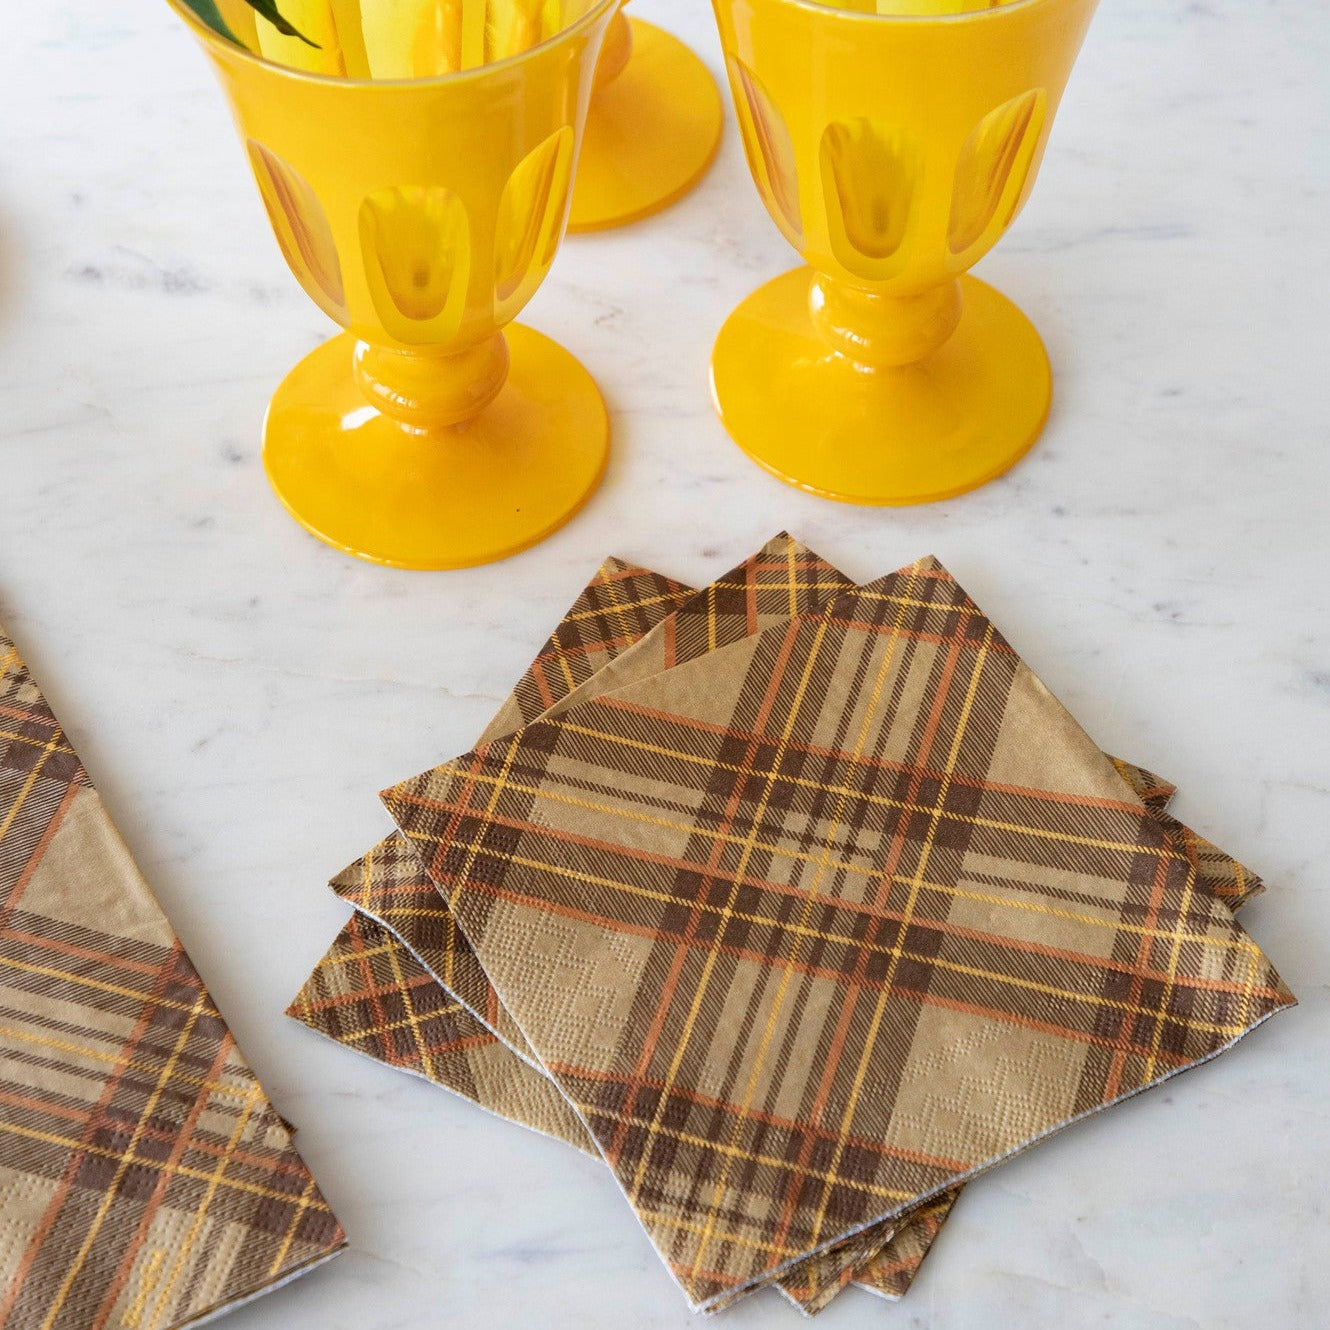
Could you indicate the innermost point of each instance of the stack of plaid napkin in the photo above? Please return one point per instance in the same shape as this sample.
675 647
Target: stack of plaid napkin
799 903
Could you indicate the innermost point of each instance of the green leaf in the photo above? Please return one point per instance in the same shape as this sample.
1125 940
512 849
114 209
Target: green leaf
207 11
211 15
269 10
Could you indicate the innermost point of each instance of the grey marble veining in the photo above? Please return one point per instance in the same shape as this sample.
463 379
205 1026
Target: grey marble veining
240 692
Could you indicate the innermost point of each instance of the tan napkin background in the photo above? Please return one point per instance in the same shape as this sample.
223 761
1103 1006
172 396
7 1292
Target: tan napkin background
145 1179
817 819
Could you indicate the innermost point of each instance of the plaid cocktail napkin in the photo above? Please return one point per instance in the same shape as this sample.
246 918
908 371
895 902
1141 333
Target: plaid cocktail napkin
873 856
145 1180
389 884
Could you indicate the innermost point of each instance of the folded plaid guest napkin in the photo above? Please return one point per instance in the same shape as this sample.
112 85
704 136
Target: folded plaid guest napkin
349 995
145 1179
389 885
814 927
405 919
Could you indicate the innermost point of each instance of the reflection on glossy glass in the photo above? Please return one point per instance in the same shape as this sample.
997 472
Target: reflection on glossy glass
769 147
358 416
993 166
417 255
302 230
530 222
868 172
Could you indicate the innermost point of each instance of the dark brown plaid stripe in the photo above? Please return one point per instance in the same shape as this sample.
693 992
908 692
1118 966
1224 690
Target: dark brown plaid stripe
390 887
31 739
784 580
789 842
893 1270
144 1177
372 995
1220 874
1153 791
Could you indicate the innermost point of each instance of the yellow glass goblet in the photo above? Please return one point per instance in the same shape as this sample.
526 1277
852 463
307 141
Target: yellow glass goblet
653 131
893 142
421 214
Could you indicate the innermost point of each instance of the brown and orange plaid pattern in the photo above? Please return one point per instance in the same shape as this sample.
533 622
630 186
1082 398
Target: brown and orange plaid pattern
664 623
408 921
345 997
816 926
371 993
145 1180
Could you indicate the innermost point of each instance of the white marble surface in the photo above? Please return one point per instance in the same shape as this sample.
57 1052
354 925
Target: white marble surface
240 692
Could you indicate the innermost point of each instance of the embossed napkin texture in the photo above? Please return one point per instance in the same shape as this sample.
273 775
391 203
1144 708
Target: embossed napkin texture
816 926
372 994
353 994
782 578
145 1179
